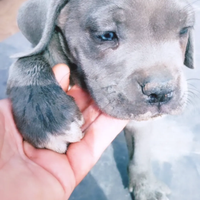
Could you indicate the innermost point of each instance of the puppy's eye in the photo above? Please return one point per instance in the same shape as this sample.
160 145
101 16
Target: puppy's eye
108 36
184 31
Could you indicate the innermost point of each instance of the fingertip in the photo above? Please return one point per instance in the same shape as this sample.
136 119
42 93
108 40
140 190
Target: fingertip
29 150
61 69
62 74
35 154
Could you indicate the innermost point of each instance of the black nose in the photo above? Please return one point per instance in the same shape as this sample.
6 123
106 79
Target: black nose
160 98
157 93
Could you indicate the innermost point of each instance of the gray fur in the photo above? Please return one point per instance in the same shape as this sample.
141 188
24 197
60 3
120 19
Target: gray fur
136 76
40 106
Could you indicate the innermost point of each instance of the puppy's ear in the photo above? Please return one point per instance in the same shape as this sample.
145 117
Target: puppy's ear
36 20
189 53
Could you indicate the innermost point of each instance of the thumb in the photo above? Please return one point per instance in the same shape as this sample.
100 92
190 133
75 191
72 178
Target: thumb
62 74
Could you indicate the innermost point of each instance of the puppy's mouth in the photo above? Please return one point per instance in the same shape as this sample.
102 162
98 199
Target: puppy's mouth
143 111
137 106
155 111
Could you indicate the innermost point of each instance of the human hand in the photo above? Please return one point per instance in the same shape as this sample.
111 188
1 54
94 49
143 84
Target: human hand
29 173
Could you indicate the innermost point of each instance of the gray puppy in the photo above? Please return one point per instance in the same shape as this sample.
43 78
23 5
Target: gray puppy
128 55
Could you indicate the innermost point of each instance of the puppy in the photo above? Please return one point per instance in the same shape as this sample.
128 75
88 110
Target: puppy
128 55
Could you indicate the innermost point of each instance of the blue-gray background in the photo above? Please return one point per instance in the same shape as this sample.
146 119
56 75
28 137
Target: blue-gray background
176 147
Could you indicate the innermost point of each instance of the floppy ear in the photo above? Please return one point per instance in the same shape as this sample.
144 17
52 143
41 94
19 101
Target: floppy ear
36 20
189 53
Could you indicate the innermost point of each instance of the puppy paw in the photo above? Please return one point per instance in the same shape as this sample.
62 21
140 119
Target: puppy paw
146 187
46 117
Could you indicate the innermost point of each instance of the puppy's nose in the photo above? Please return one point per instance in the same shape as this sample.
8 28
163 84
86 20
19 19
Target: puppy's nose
158 93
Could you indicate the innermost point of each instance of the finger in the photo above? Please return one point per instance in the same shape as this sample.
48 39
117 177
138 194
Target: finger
90 114
81 97
86 105
99 135
62 73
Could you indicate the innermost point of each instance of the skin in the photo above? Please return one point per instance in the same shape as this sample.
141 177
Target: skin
29 173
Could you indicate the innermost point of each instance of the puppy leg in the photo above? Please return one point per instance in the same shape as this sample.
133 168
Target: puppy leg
141 179
44 114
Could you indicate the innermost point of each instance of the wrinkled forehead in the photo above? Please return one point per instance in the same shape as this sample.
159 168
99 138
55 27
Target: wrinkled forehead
142 13
144 7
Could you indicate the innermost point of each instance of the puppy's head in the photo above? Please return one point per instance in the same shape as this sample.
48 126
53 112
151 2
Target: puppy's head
131 53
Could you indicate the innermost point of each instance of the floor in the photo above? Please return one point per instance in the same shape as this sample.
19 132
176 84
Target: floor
176 148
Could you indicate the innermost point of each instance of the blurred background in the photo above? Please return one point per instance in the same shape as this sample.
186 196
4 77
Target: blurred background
176 146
